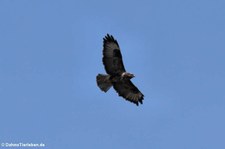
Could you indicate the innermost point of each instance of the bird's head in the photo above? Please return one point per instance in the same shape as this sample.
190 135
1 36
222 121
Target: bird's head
127 75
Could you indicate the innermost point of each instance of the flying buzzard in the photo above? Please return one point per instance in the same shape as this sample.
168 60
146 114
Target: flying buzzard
116 73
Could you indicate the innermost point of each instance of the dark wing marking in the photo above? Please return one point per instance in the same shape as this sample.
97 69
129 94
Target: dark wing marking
112 58
129 91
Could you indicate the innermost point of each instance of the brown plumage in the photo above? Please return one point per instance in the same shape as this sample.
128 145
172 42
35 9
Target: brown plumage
116 73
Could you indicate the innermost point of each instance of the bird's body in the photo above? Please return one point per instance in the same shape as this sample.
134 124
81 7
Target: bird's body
116 73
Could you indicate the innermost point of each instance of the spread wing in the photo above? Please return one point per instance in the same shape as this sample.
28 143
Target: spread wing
112 58
129 91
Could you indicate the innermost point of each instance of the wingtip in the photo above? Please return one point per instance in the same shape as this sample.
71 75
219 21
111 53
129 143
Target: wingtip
110 38
141 98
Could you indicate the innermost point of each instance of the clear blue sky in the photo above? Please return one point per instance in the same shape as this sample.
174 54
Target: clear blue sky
50 54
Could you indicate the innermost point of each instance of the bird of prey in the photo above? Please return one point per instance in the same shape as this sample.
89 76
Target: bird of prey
116 74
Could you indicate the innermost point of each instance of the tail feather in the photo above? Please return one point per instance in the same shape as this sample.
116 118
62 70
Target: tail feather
103 82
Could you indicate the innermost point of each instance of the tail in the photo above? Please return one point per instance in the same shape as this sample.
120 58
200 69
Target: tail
103 82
